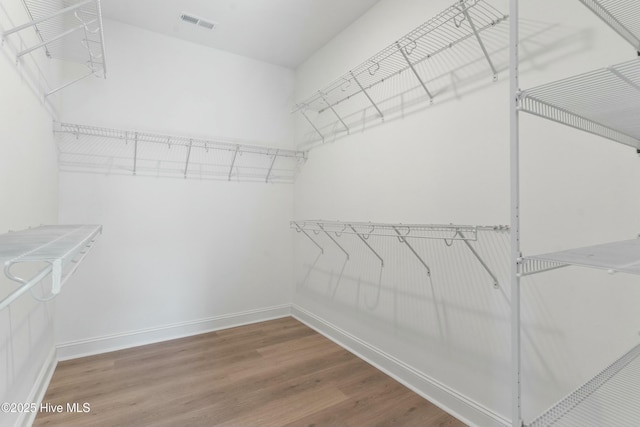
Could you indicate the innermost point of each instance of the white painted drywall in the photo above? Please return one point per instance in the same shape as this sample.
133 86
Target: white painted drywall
448 163
29 194
175 251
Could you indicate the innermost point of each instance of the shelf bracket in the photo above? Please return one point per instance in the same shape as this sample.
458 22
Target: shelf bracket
135 154
415 72
186 166
496 285
333 240
59 88
480 42
312 125
233 161
273 162
362 238
529 267
301 230
404 240
367 95
324 98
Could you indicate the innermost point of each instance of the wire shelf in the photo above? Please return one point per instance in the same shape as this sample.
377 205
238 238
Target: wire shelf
464 20
61 247
623 16
608 399
70 30
604 102
622 256
89 149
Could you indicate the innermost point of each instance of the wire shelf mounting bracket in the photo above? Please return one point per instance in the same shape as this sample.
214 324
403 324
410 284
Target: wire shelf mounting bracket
62 248
334 240
403 239
300 229
364 240
78 27
484 265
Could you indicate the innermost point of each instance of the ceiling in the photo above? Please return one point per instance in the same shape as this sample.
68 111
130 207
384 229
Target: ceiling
281 32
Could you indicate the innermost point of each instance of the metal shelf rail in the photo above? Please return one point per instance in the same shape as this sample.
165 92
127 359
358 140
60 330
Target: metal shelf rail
70 30
606 103
403 232
62 247
89 148
466 19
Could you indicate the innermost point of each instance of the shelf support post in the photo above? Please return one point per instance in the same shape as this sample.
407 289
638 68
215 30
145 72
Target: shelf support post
273 162
233 161
404 240
415 72
367 244
334 240
303 231
312 125
186 166
515 256
324 98
496 285
367 95
480 42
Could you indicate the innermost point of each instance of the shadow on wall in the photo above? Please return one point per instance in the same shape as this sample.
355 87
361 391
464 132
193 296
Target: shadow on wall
449 76
447 307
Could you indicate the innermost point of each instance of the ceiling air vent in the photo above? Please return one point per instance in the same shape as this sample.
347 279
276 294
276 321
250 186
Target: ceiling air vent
209 25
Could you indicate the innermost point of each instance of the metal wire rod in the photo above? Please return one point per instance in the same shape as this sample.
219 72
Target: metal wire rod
233 162
135 153
301 230
58 37
621 15
367 95
336 114
481 43
368 245
59 88
186 166
496 285
404 240
312 124
415 72
334 241
275 156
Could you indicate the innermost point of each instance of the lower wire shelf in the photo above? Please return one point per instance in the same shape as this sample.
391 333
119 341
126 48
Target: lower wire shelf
611 398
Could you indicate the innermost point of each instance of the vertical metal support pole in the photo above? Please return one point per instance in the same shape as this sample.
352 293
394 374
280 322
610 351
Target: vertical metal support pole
368 245
310 238
334 240
484 49
233 162
275 156
406 58
404 240
186 166
135 153
367 95
336 113
516 360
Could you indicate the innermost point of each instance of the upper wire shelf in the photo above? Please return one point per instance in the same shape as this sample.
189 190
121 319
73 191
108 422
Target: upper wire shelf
465 19
604 102
89 148
623 16
61 247
70 30
608 399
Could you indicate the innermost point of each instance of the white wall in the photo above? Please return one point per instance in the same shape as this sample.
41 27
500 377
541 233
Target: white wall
449 163
176 255
29 193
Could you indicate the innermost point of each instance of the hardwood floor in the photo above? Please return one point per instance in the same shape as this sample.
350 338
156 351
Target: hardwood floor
276 373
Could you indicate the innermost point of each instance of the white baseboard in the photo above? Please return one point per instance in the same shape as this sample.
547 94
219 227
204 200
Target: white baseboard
456 404
39 388
103 344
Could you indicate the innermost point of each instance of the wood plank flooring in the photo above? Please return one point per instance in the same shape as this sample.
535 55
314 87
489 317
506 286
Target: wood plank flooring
276 373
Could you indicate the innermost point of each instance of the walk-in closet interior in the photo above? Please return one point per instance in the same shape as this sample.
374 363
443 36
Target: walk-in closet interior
316 198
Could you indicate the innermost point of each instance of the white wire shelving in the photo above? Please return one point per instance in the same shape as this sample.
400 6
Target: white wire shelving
114 151
68 30
449 233
464 20
61 247
604 102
